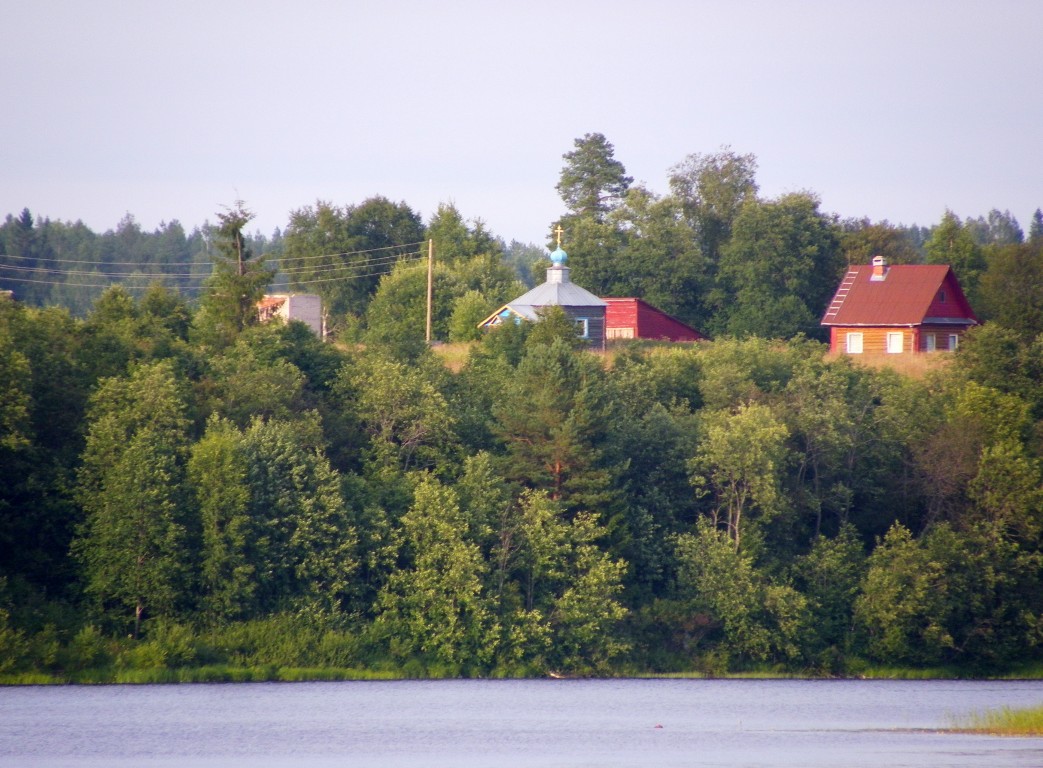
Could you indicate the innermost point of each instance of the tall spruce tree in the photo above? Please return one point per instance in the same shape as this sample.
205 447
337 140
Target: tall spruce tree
237 283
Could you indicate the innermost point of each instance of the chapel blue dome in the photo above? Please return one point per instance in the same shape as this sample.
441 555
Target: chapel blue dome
558 257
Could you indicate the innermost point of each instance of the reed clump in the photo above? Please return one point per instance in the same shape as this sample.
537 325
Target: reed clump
1005 721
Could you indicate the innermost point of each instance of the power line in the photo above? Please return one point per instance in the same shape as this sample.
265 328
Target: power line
354 253
39 270
378 255
130 277
339 270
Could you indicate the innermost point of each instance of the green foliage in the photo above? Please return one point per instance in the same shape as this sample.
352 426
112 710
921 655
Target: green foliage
562 611
949 598
401 409
553 325
740 463
592 180
757 620
1011 289
15 426
712 189
468 311
1003 359
46 376
397 316
435 609
13 645
585 614
861 240
302 544
131 488
779 269
951 243
218 473
830 576
550 416
250 502
454 241
247 385
341 252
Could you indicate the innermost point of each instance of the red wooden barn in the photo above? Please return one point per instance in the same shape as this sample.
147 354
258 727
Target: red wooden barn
900 309
637 319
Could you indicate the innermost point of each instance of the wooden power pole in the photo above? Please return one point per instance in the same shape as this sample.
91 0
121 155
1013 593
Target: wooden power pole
430 284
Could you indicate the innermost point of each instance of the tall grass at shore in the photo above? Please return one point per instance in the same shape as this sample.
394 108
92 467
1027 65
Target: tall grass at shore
1004 722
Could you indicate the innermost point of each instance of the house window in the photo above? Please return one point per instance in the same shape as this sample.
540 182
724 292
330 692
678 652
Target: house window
854 343
954 342
929 342
583 327
941 296
895 342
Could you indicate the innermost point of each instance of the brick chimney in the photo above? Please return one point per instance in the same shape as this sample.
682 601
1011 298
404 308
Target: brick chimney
879 268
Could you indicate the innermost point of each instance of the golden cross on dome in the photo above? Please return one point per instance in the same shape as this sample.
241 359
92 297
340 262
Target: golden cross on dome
559 230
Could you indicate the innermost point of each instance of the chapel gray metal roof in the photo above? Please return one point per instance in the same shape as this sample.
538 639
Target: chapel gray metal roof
561 292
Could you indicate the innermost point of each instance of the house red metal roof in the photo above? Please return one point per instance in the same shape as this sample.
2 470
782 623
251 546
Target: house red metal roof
905 295
637 319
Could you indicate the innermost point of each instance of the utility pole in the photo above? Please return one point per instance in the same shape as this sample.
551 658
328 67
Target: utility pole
430 284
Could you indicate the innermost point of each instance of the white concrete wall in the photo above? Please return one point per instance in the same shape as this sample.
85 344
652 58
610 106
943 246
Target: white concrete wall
305 307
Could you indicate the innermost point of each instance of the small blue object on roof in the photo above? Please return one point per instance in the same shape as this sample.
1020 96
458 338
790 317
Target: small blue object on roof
558 256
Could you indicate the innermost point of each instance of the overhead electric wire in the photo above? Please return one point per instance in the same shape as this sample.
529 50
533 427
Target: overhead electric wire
381 263
95 272
265 257
341 270
355 253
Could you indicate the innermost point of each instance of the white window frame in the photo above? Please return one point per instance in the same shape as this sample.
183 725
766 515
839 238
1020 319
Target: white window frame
930 342
853 343
894 348
954 341
583 323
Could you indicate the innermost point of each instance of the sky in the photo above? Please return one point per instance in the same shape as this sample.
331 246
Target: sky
169 111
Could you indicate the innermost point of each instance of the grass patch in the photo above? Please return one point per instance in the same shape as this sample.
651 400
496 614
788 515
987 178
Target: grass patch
454 355
912 366
218 673
912 673
31 678
1004 722
311 674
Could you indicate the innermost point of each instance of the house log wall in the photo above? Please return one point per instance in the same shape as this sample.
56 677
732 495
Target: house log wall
874 340
595 323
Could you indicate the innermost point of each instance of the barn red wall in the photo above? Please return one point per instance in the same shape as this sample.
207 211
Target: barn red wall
646 321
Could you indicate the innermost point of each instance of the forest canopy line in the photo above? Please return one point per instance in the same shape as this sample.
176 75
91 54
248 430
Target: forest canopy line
183 487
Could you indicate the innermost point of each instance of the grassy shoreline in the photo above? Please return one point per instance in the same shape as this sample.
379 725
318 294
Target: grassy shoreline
275 673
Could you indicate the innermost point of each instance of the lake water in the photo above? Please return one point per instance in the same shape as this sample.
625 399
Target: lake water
512 724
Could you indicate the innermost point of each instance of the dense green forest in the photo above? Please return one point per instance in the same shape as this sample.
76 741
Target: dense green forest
182 488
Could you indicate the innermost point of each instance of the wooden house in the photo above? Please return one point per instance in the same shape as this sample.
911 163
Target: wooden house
637 319
900 309
586 309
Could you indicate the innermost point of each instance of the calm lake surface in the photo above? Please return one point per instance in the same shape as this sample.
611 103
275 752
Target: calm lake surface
546 723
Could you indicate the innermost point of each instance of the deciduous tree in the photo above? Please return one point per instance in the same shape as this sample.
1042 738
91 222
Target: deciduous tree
136 546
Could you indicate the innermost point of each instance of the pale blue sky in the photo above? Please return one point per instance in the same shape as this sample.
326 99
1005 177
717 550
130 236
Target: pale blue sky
171 110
